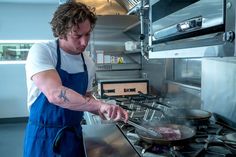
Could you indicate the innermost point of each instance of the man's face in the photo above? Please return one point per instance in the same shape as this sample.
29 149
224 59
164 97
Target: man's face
78 37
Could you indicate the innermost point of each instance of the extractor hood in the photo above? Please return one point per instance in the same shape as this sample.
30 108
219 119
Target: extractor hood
109 7
105 7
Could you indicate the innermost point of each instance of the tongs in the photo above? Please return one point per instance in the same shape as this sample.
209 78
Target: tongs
147 130
150 131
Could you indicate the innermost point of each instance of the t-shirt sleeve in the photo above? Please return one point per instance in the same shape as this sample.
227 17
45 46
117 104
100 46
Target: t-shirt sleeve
39 59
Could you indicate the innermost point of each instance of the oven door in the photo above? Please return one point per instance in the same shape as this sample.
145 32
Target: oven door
186 26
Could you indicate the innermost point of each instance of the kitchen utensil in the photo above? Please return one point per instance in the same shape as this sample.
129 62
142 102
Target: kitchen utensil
190 117
187 134
148 130
182 116
178 114
188 114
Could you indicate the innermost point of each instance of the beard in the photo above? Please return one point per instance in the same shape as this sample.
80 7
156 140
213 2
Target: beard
80 49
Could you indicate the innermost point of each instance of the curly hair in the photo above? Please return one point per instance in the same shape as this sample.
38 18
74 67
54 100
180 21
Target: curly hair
71 14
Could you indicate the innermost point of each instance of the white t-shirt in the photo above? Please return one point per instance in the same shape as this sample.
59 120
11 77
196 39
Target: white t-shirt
43 56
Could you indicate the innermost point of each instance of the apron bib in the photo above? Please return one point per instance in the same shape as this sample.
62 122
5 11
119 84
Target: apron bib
54 131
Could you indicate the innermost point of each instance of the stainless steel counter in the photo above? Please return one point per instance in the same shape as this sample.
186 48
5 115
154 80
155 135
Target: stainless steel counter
106 140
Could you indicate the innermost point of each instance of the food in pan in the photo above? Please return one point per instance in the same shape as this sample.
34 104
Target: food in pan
169 133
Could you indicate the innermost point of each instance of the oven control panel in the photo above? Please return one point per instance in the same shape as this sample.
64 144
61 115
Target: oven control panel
122 88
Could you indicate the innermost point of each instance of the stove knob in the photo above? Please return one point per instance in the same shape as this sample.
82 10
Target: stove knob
229 36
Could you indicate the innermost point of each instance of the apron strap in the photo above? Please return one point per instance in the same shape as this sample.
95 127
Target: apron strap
58 66
85 67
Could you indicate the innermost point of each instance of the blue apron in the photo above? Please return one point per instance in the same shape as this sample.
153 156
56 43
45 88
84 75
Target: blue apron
52 130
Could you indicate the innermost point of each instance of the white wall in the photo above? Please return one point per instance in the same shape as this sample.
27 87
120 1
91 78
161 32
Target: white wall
20 22
12 90
25 21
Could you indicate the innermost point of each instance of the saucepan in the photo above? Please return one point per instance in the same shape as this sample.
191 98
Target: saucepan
182 134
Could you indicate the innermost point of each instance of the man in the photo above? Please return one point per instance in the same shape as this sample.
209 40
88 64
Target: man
59 81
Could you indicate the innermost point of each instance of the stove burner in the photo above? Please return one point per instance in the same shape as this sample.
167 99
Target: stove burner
203 145
133 137
154 149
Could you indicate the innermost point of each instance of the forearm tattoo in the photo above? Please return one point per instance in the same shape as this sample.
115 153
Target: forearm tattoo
63 96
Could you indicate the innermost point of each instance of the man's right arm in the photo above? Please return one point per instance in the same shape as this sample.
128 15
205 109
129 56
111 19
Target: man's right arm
50 84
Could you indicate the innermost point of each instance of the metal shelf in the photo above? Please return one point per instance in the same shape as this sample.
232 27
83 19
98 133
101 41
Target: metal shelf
133 52
116 67
134 27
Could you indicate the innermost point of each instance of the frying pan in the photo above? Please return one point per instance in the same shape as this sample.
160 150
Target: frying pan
180 114
190 117
188 114
187 134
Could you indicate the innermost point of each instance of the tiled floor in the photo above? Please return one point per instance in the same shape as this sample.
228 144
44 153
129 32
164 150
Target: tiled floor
11 139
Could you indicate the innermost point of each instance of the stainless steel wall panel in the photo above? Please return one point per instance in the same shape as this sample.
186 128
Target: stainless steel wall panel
154 71
182 95
218 92
188 71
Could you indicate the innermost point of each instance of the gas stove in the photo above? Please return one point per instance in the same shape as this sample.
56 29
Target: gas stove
138 107
205 143
146 108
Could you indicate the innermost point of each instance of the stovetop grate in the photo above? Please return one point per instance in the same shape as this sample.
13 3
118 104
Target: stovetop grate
202 144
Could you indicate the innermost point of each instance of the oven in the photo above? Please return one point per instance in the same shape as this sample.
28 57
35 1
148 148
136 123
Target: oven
191 28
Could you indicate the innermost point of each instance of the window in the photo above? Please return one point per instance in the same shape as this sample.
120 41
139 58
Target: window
15 50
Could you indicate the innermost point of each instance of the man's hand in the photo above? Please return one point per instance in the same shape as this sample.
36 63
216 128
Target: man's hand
113 112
